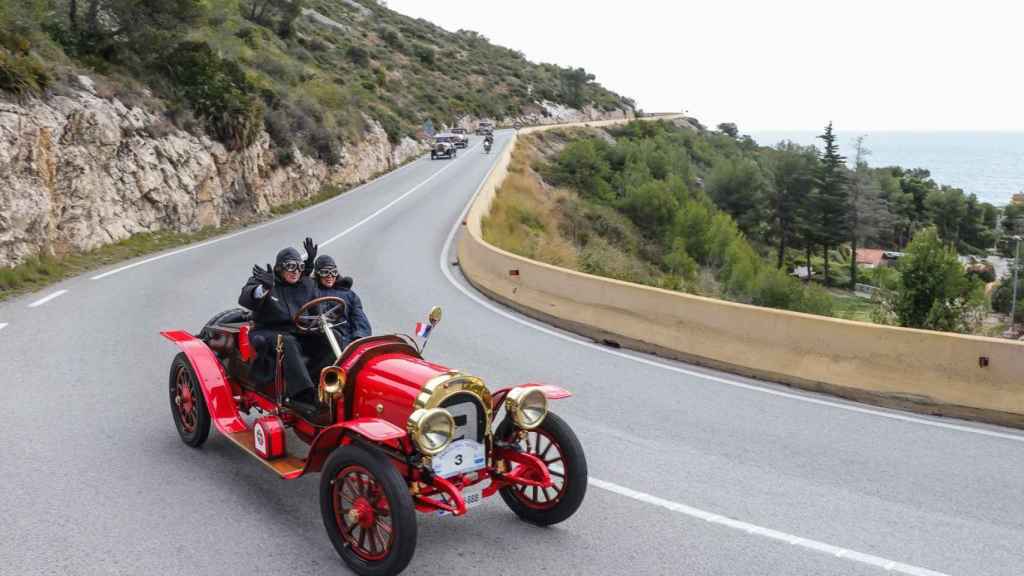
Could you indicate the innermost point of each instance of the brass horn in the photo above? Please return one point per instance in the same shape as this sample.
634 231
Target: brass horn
332 382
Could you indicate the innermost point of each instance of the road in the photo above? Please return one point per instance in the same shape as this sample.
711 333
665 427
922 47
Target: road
694 471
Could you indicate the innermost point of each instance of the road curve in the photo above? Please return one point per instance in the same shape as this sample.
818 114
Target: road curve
694 471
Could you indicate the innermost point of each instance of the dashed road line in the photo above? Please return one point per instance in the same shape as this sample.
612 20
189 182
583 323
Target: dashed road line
3 325
443 261
46 299
755 530
248 230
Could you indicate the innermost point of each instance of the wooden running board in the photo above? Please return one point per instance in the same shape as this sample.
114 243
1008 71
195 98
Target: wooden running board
287 466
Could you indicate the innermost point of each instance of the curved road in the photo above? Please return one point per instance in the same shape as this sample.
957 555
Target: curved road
693 471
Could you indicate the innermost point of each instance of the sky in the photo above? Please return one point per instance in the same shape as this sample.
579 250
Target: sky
782 65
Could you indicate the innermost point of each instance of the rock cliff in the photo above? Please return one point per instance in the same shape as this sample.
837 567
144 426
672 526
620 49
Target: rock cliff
80 171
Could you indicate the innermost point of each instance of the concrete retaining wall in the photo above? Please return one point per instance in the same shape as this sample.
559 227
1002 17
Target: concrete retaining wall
933 372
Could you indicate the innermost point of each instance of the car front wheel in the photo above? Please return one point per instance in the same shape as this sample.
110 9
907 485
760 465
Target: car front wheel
556 445
188 406
367 511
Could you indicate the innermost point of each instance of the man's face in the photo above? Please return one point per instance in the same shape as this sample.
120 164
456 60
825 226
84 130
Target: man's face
291 271
327 281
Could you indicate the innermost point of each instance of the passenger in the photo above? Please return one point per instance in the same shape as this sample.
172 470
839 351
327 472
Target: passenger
330 283
274 295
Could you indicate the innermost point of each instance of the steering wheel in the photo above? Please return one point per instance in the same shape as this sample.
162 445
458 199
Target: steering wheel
307 321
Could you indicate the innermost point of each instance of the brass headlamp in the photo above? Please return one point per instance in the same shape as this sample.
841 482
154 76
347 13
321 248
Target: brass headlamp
527 406
431 429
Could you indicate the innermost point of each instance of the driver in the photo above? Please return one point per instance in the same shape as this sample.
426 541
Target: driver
274 295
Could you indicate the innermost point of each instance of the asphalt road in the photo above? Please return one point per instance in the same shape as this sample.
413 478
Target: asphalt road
694 472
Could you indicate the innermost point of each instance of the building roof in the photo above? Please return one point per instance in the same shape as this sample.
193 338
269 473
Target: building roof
872 256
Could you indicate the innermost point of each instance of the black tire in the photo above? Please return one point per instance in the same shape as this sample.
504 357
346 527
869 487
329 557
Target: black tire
568 497
351 460
193 420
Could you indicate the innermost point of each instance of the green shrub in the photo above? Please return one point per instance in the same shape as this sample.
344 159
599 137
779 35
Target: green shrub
933 291
22 74
218 91
426 54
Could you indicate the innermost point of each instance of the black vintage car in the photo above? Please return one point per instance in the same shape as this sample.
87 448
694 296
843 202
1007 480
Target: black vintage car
444 147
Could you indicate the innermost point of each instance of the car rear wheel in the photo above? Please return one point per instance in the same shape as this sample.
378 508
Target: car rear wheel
556 445
188 406
367 511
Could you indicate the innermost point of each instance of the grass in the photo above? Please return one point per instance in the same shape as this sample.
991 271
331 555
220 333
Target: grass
850 307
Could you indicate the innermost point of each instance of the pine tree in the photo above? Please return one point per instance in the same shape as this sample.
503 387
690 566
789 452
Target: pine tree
833 199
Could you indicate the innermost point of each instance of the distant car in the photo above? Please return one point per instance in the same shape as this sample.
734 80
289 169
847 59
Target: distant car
461 138
485 128
444 147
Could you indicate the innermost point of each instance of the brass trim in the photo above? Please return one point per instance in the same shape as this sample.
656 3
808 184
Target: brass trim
440 387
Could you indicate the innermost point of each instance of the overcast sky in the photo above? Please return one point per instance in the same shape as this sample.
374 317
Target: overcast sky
787 64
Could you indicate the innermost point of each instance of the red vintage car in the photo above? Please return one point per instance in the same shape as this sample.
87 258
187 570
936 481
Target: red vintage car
393 433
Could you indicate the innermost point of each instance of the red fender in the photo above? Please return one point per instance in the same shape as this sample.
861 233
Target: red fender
373 429
551 391
212 380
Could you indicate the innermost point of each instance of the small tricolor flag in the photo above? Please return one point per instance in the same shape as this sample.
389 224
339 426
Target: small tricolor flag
423 330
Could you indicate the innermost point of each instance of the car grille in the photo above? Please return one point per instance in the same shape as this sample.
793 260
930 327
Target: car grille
468 413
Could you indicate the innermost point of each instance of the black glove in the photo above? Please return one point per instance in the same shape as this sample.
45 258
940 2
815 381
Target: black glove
345 282
264 277
310 255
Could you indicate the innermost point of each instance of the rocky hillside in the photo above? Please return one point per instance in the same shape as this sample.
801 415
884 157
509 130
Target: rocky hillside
203 111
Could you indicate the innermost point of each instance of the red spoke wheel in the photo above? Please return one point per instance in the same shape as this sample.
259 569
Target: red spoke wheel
188 407
367 511
556 445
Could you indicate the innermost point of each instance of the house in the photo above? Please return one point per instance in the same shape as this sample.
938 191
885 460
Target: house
874 257
870 257
1018 199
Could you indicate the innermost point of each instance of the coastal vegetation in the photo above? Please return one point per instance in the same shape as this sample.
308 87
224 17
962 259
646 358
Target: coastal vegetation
712 213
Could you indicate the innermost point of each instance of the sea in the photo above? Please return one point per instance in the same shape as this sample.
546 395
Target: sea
987 164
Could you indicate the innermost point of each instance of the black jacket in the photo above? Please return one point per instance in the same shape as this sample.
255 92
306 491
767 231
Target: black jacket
358 325
277 308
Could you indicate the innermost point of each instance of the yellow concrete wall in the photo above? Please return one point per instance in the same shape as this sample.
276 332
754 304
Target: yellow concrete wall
928 371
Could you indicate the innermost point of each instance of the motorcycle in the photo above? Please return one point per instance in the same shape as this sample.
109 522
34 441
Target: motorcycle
487 146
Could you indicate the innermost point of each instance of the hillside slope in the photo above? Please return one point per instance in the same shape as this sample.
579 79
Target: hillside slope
127 116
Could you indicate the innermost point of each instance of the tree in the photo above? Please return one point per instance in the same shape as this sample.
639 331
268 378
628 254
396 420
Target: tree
791 168
833 200
946 209
867 209
574 83
729 129
933 292
738 187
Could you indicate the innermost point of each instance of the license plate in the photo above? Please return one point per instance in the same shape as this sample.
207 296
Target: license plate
471 496
461 457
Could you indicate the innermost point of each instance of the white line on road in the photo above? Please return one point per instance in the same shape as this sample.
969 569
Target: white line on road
46 299
247 230
443 261
754 529
393 202
3 325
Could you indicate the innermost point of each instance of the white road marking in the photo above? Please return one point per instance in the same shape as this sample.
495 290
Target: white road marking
393 202
46 299
815 545
443 262
3 325
248 230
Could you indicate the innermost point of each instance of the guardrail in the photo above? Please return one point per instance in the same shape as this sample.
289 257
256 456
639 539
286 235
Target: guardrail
933 372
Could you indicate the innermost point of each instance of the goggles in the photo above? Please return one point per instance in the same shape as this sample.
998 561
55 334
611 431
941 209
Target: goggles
292 266
328 271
